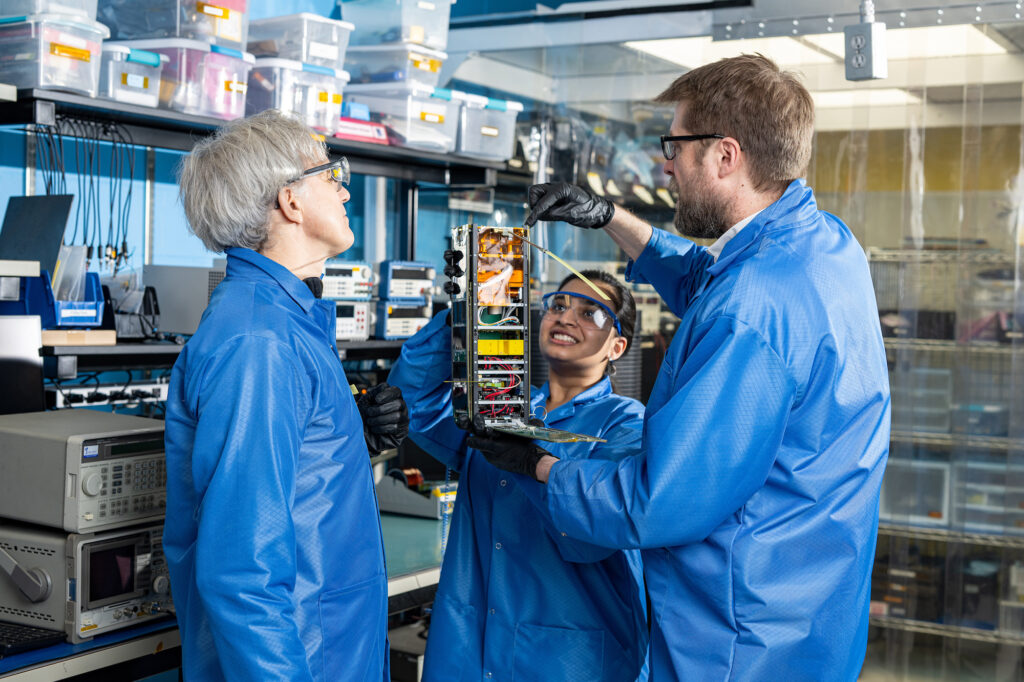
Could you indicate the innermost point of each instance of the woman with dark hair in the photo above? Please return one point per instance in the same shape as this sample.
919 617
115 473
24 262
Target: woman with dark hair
518 599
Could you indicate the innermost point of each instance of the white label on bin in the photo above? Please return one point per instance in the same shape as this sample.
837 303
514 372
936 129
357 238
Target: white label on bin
423 4
235 86
73 41
134 80
77 312
431 117
489 131
323 51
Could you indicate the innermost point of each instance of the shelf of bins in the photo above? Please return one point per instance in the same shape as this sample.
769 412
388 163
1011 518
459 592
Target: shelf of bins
956 631
954 536
951 439
980 256
973 347
166 129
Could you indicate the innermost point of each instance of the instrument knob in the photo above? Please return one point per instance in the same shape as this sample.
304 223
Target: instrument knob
92 484
161 584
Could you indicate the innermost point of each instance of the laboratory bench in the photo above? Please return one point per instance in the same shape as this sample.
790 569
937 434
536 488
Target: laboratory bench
412 549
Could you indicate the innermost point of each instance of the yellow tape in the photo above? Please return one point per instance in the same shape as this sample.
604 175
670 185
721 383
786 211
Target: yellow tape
213 10
431 118
499 347
78 53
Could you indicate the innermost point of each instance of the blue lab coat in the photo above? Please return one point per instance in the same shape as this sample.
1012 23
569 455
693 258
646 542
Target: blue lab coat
518 601
755 498
272 533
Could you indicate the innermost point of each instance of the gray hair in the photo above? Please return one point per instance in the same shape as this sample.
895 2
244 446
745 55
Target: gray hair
230 180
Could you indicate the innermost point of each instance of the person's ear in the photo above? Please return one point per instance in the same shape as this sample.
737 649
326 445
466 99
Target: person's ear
290 204
730 156
618 347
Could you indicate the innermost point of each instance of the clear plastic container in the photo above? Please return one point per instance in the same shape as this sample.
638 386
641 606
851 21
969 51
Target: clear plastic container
395 64
312 93
51 51
131 75
305 37
487 127
221 22
424 22
420 116
19 8
201 79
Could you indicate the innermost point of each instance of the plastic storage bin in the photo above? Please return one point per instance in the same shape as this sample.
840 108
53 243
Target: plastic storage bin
395 63
391 21
310 92
487 127
18 8
222 22
306 38
51 51
421 116
201 79
131 75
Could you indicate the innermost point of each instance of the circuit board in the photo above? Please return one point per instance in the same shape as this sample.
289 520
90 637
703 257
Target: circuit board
490 294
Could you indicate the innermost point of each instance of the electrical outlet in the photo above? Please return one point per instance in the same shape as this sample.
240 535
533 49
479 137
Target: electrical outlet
865 51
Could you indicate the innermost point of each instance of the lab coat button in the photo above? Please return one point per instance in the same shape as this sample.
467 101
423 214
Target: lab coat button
493 612
497 545
504 483
563 535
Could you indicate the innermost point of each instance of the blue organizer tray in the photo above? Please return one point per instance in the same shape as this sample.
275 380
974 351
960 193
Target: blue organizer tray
36 298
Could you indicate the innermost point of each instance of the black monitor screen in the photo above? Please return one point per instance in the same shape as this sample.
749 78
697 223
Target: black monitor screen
112 572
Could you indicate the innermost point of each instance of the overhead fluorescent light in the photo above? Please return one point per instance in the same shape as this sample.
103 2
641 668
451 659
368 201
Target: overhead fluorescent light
926 42
692 52
864 97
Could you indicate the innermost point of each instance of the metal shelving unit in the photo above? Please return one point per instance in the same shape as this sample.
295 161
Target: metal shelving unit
956 439
957 631
945 535
941 346
161 128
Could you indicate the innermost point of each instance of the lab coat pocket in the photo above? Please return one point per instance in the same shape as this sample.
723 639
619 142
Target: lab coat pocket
353 622
453 628
547 653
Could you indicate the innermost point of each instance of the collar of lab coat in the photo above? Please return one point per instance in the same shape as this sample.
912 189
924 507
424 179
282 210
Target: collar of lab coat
247 264
795 204
540 396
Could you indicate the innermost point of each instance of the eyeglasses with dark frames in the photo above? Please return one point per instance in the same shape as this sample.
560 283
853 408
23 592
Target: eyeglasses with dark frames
669 149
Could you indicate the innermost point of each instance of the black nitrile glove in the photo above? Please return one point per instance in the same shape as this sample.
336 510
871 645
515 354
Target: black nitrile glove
511 453
569 203
385 417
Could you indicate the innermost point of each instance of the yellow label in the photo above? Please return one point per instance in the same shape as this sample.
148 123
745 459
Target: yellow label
78 53
489 131
499 347
431 118
424 63
131 80
89 627
213 10
235 86
332 97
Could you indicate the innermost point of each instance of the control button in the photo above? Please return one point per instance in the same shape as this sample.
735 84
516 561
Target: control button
87 516
92 484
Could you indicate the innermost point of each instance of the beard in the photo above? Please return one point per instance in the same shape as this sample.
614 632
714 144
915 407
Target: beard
700 215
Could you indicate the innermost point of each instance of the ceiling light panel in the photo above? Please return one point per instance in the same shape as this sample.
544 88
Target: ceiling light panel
692 52
926 42
874 97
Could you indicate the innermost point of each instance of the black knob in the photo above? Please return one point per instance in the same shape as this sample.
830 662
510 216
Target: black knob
451 288
453 271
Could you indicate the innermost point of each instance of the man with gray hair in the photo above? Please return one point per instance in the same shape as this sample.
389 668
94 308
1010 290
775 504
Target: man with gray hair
272 534
755 495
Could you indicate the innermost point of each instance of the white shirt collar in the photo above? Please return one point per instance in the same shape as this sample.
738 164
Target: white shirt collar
716 249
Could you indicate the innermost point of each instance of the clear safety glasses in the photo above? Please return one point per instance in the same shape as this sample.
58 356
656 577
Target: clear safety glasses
339 172
589 312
